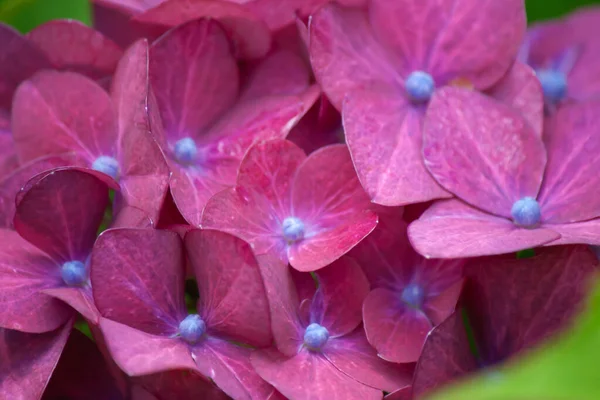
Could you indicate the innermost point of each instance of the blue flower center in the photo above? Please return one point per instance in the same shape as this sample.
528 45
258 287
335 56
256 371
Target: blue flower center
293 229
192 328
554 84
526 212
186 151
107 165
413 295
419 86
315 337
74 273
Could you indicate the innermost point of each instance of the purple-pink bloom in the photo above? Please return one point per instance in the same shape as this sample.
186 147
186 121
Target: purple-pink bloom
380 67
409 294
516 190
138 277
44 262
505 315
213 111
64 112
179 384
321 346
308 211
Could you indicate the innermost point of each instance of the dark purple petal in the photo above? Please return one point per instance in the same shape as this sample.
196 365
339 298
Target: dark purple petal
61 213
308 375
232 300
401 394
384 135
180 384
138 277
57 112
71 45
482 150
453 229
27 361
80 299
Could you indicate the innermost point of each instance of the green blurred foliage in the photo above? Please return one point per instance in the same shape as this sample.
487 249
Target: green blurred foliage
27 14
546 9
566 368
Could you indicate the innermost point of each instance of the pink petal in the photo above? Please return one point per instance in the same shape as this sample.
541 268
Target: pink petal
56 112
254 210
71 45
79 298
446 356
345 54
337 304
19 59
353 355
309 376
8 155
137 275
232 301
59 220
452 229
328 198
25 272
131 217
573 161
139 353
180 384
400 394
395 330
383 132
194 77
229 367
578 232
145 174
445 36
28 360
482 150
520 88
441 304
250 36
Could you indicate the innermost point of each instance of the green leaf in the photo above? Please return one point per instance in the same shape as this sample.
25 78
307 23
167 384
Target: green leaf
565 367
545 9
25 15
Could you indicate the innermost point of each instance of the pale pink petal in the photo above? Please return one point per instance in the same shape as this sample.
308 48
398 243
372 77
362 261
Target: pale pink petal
576 232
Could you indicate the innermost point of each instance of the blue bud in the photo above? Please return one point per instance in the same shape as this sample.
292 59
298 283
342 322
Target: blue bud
420 86
526 212
315 336
107 165
186 150
554 84
413 295
293 229
192 328
74 273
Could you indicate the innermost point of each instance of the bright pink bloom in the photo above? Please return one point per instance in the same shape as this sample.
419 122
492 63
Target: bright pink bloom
517 190
321 346
138 277
410 294
380 67
308 211
505 314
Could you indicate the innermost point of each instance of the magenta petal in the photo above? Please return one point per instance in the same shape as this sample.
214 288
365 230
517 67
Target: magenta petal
394 329
578 232
383 132
71 45
80 299
25 272
232 301
179 384
28 360
56 112
337 304
250 36
309 376
481 150
452 229
345 54
573 161
194 77
144 172
19 59
229 367
446 356
137 276
60 220
139 353
131 217
400 394
520 88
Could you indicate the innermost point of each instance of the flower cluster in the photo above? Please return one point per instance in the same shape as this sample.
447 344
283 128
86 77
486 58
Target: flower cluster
301 199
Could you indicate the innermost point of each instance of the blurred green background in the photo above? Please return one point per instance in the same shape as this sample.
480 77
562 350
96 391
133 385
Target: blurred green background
27 14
